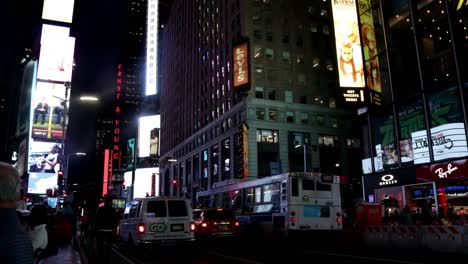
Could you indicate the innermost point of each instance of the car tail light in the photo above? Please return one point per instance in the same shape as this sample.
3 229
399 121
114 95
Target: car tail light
192 227
204 224
237 223
338 220
293 219
141 228
338 214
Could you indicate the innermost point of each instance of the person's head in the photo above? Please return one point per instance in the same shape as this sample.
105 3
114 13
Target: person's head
346 49
108 201
9 186
38 215
55 148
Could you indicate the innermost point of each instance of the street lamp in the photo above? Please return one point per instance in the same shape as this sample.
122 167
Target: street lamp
305 155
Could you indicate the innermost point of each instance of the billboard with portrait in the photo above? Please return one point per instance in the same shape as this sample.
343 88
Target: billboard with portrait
47 111
348 44
43 165
144 182
56 55
146 138
58 10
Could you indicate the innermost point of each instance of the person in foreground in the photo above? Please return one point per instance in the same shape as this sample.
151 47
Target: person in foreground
15 244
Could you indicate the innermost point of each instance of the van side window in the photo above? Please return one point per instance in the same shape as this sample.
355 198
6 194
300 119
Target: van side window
127 210
177 208
156 209
134 209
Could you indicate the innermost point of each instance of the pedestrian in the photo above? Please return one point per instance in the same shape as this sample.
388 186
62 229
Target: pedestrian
38 231
15 244
105 224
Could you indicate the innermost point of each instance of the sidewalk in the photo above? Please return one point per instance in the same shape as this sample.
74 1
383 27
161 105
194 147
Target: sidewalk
65 255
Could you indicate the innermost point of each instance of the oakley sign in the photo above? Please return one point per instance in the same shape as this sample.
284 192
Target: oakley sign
387 179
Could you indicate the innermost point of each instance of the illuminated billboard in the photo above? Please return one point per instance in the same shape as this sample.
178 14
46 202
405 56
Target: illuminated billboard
152 48
348 44
58 10
371 59
43 165
107 172
144 184
148 135
47 111
241 64
56 55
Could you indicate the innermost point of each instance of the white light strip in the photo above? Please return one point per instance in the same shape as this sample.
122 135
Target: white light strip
152 48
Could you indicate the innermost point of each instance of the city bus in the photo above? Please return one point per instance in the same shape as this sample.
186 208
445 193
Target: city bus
280 205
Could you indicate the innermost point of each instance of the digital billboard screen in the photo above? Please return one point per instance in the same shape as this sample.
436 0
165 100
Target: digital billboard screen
348 44
47 111
56 55
58 10
148 135
152 48
43 165
144 182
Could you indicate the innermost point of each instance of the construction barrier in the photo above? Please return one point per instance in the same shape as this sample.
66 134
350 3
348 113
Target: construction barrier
406 236
449 239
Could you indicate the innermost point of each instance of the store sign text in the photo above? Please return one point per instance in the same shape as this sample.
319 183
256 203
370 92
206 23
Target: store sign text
444 174
387 179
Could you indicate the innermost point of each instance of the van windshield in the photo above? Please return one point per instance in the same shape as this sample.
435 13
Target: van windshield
177 208
156 209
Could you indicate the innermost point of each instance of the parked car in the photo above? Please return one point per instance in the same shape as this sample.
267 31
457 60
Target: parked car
215 222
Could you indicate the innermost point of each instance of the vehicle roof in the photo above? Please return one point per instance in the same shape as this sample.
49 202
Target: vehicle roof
159 198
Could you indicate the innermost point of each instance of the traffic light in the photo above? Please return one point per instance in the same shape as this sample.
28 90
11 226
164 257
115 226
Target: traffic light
60 173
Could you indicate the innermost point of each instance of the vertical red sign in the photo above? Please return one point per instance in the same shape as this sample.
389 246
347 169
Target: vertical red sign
116 151
105 179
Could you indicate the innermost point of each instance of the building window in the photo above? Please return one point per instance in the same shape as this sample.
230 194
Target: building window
259 72
272 114
258 52
304 118
288 96
301 78
285 39
286 57
303 99
257 34
267 136
269 36
259 92
300 59
260 114
290 117
334 122
269 54
325 30
256 19
272 94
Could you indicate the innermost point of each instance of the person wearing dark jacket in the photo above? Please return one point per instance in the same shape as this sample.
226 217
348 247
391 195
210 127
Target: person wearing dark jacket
105 224
15 244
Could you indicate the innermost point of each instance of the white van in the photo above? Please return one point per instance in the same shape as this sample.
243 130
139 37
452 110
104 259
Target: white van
157 220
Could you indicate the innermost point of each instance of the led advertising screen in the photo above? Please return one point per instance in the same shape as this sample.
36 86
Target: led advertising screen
47 111
43 165
58 10
241 64
146 138
348 44
144 182
56 55
152 48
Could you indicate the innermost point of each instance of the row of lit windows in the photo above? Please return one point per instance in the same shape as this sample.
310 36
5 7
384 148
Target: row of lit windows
288 97
293 117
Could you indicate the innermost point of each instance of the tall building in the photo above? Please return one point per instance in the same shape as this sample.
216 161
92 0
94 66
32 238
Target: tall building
414 144
282 105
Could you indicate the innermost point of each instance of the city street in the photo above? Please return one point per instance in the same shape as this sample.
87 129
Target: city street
268 251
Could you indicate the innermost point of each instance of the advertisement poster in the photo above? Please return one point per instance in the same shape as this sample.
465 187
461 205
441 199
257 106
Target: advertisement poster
48 114
152 48
348 44
241 65
58 10
43 166
146 138
371 60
